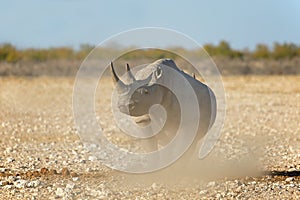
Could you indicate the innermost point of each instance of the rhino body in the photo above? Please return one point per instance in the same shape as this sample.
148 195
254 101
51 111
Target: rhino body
147 84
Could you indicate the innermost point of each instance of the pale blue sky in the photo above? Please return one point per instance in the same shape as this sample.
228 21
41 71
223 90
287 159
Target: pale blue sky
48 23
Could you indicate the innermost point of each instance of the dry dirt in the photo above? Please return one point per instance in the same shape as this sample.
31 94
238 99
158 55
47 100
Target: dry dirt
42 157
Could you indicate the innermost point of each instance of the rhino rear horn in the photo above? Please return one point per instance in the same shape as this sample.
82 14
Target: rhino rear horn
131 76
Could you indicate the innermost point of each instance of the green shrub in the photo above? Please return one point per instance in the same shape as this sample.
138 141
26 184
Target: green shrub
8 53
285 50
261 51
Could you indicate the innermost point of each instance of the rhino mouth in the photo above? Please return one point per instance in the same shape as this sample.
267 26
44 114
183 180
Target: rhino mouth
126 109
139 118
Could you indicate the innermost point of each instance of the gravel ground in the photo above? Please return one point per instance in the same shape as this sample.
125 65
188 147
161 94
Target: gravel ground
41 156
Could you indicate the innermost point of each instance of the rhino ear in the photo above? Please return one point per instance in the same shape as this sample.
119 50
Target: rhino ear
158 73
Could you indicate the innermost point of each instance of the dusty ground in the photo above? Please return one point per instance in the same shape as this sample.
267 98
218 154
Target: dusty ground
41 156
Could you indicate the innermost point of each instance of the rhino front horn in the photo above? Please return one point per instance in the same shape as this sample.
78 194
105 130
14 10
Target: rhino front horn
115 77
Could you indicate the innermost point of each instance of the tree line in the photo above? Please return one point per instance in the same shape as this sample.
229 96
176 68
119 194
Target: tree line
9 53
261 51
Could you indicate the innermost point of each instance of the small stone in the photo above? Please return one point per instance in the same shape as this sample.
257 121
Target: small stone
154 186
33 184
239 189
12 178
88 169
36 174
70 186
10 159
59 192
73 174
292 169
18 175
8 150
202 192
52 172
160 195
20 183
289 179
92 158
65 172
75 178
211 184
44 171
8 186
29 174
34 195
4 183
49 189
94 193
239 183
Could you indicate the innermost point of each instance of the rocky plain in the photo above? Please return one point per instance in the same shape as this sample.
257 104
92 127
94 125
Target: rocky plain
42 156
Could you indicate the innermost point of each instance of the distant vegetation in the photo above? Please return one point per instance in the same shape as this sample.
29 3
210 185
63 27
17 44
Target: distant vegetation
65 61
10 54
262 51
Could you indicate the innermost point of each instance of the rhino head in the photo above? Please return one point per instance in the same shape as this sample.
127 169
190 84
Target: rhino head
136 97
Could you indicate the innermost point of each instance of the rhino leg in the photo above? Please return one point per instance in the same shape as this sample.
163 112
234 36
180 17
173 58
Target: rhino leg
148 144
